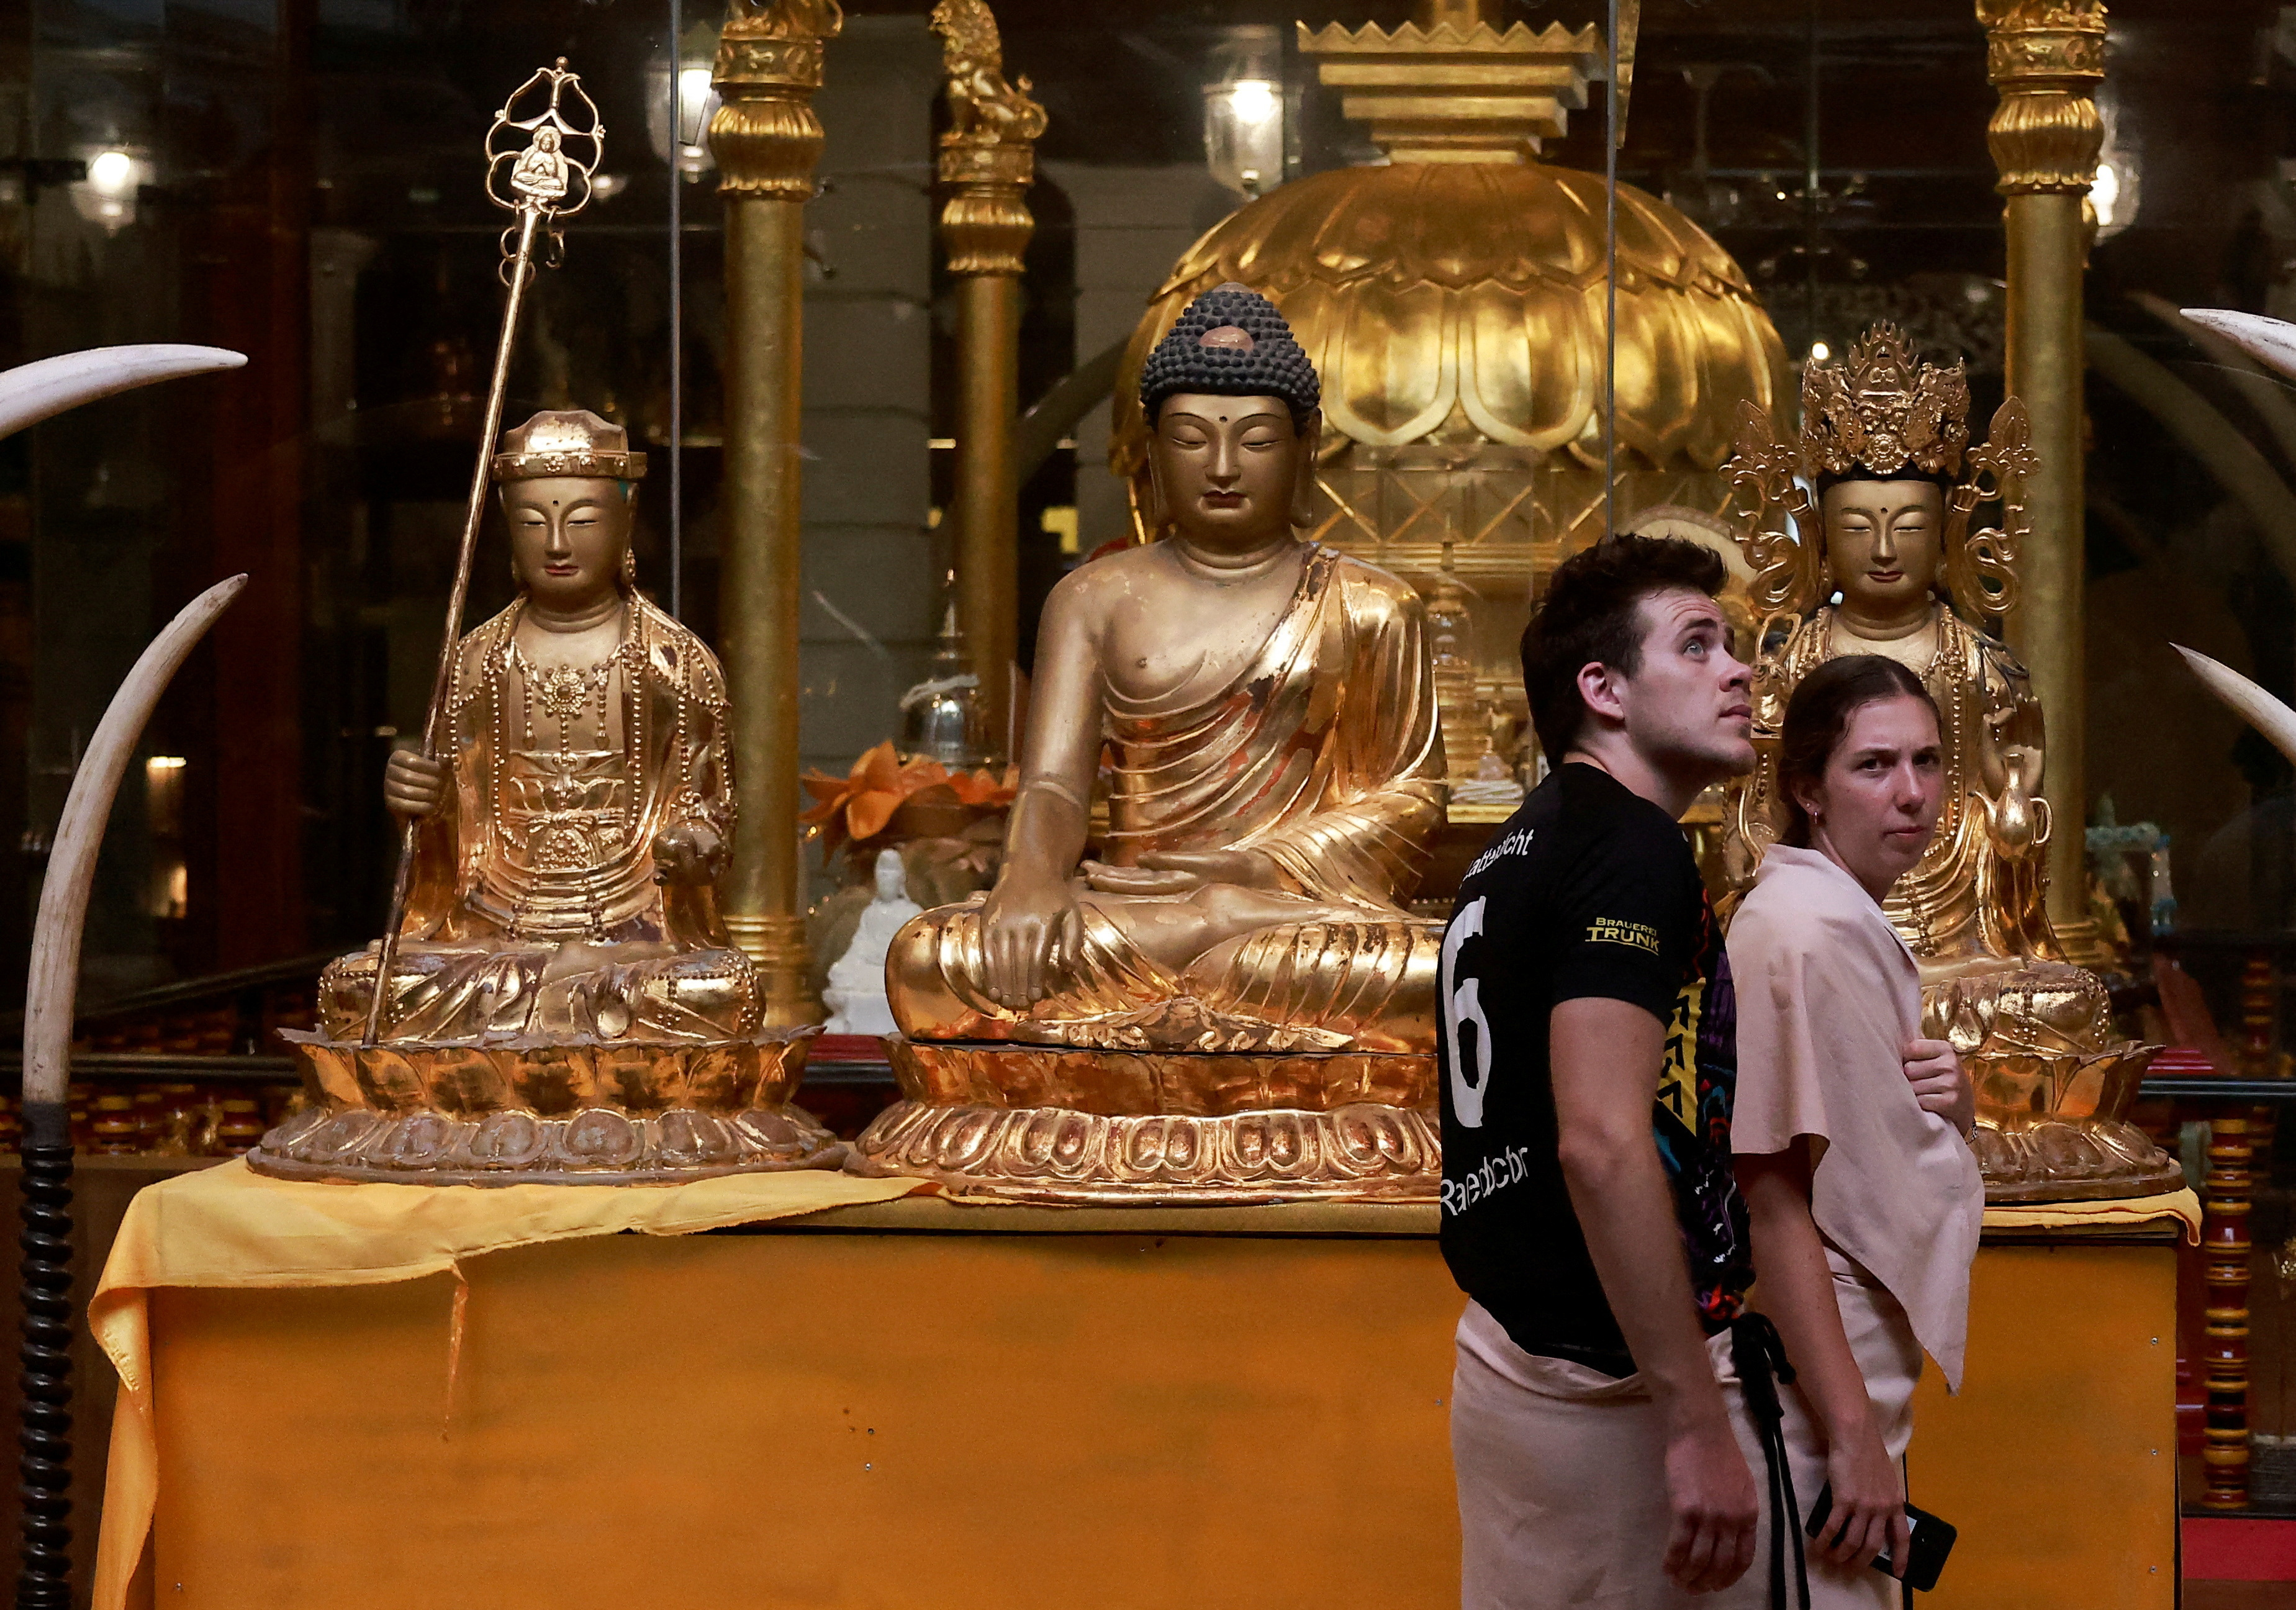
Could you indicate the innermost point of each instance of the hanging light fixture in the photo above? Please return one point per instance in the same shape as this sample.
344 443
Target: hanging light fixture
685 146
1243 111
107 197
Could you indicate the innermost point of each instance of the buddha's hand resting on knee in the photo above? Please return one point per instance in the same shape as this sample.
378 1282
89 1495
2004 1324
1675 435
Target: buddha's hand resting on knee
1029 922
414 785
1186 871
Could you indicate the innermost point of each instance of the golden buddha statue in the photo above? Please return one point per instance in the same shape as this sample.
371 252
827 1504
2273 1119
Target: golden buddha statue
1886 563
1229 1000
562 985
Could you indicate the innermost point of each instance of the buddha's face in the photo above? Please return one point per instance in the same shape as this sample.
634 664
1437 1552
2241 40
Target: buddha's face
1229 471
1884 539
567 537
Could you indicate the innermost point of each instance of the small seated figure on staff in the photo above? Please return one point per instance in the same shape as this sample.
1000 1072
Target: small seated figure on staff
540 173
1268 707
582 802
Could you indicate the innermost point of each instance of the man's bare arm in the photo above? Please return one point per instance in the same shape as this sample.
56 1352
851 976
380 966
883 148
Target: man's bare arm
1605 1056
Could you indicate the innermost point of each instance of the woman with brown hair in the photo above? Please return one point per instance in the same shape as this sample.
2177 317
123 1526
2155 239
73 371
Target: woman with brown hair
1864 1199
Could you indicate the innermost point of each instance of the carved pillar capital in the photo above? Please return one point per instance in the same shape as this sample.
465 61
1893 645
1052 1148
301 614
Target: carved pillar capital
765 135
2046 57
988 157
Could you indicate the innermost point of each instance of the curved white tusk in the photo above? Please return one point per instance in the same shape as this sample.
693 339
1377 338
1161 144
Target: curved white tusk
2258 708
2270 341
32 392
71 863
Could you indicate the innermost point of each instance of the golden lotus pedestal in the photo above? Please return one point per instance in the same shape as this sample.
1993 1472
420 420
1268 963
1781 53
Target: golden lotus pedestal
1057 1125
2052 1128
559 1112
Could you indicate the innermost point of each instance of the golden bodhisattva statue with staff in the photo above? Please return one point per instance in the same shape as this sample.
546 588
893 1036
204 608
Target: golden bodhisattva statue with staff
1883 561
561 1002
1226 998
571 831
554 999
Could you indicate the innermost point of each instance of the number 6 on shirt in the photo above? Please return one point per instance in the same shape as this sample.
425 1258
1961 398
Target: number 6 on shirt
1469 1073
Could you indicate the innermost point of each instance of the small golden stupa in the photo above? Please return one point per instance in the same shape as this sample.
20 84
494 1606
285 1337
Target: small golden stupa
1454 301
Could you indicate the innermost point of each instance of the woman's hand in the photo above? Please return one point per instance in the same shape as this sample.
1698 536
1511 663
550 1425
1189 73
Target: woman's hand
1868 1516
412 786
1029 922
1186 871
1940 1084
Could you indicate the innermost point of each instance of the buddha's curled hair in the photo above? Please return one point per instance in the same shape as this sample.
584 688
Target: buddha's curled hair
1267 361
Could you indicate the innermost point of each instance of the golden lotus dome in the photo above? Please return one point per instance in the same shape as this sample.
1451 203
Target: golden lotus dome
1454 303
1466 300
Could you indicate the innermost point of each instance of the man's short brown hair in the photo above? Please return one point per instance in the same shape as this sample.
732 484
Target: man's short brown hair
1587 617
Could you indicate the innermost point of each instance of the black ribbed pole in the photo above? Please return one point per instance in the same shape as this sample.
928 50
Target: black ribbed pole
43 1433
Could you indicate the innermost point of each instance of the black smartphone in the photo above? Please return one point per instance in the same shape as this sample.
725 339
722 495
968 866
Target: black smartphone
1932 1541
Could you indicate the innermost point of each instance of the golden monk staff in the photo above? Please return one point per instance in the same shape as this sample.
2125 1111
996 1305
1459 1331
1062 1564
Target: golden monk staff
531 173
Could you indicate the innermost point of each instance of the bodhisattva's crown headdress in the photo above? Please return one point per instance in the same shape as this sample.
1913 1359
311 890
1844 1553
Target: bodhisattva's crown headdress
573 442
1879 415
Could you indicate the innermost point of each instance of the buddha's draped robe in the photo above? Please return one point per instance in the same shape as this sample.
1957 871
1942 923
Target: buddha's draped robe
1325 752
534 909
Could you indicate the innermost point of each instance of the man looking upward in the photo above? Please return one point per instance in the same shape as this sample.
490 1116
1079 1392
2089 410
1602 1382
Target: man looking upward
1596 1229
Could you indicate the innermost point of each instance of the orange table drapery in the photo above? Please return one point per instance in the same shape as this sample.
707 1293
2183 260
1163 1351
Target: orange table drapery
229 1227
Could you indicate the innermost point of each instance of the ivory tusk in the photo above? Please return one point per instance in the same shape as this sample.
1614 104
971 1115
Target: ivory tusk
71 864
32 392
2258 708
2270 341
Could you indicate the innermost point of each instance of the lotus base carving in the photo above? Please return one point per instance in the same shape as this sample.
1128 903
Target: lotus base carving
2053 1127
526 1112
1108 1128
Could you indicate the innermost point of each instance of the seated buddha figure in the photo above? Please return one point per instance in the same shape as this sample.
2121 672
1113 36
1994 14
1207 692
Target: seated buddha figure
580 807
1275 762
1885 443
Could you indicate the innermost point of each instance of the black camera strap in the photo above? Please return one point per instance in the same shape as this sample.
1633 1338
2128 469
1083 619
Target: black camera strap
1760 1356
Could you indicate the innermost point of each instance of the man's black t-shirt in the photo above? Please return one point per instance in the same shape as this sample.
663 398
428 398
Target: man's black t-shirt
1589 890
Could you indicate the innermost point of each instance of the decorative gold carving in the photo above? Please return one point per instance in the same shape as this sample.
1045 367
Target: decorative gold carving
765 137
2050 1129
560 1112
2045 57
1459 91
988 157
1879 409
1878 412
1199 1084
1055 1126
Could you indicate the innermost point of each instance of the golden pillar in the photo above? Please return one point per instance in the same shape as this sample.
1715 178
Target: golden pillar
766 140
988 161
2046 58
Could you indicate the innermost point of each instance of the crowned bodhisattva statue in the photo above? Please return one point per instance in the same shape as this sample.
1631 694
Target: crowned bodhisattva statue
1885 562
562 1001
1225 998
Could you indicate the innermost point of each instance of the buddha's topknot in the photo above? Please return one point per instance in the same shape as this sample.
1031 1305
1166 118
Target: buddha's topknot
1273 365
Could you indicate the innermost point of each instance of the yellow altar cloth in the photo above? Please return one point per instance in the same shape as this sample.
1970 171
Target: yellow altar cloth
983 1407
227 1227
